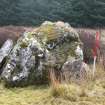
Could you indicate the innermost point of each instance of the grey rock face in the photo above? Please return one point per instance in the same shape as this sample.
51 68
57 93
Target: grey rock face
35 52
75 69
24 60
5 50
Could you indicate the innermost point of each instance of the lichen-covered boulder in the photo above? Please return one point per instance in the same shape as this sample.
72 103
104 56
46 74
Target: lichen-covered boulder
35 52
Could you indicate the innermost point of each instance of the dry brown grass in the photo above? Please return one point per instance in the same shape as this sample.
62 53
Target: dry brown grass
12 32
90 91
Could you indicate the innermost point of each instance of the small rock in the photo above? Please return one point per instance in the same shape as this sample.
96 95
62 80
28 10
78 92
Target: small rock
75 68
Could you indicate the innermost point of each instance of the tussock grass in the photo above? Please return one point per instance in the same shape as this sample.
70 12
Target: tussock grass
89 92
71 92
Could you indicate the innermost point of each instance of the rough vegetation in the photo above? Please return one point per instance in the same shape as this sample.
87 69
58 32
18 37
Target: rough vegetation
87 36
91 92
34 12
10 32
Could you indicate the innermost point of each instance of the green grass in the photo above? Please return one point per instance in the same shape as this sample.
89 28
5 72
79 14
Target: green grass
91 92
33 95
23 96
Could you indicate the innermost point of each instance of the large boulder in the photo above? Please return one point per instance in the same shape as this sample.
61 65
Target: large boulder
47 46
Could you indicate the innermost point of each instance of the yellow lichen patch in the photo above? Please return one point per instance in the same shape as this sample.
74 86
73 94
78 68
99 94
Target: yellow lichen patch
48 31
30 35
